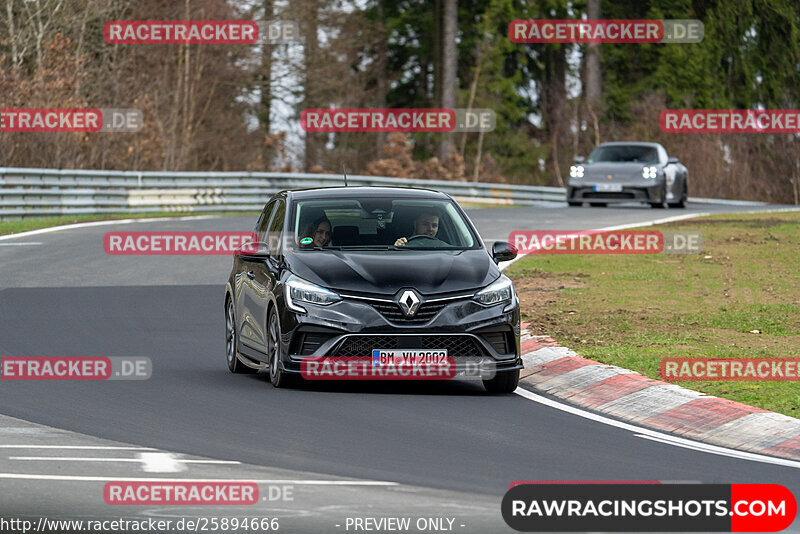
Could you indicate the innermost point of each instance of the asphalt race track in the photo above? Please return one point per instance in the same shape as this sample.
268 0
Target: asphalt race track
437 449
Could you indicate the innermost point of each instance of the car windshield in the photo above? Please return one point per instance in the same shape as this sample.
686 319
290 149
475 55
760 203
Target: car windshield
380 224
624 153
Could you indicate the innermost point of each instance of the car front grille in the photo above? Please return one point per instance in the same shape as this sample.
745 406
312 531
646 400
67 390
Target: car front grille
426 311
392 312
363 345
455 345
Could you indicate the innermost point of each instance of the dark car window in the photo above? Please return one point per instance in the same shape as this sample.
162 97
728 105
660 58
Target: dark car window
377 223
624 153
263 221
276 228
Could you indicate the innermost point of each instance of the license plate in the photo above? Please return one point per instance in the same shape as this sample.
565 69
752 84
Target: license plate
611 188
409 357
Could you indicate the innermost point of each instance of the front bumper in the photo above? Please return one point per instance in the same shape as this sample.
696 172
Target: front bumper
585 192
472 334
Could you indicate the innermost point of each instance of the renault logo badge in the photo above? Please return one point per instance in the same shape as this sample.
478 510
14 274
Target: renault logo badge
408 302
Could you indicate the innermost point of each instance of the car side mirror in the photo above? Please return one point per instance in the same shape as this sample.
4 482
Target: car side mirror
253 251
672 160
503 251
579 159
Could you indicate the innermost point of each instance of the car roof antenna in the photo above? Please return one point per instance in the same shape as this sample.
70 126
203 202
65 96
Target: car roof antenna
344 170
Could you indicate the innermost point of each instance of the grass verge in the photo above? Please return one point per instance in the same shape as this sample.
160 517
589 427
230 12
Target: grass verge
633 310
15 226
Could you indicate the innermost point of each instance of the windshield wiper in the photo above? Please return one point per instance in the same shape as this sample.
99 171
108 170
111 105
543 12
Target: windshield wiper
428 248
367 247
379 248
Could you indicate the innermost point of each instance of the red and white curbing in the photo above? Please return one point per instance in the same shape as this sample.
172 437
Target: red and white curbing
629 396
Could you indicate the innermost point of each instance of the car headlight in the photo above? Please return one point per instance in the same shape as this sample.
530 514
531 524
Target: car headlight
649 172
499 291
576 171
299 290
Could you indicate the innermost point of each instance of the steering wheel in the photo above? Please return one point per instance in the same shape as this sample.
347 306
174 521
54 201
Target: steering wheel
423 236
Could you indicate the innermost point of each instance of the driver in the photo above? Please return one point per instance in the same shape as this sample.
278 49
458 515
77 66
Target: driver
426 223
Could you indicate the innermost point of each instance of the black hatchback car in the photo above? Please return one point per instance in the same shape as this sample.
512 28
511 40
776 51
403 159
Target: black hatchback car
343 271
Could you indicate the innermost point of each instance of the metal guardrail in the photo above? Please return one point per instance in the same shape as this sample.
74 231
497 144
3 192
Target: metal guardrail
41 192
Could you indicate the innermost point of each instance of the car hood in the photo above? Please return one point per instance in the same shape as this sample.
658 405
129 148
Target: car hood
386 272
618 171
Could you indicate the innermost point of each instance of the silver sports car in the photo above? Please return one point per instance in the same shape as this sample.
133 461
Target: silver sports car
628 172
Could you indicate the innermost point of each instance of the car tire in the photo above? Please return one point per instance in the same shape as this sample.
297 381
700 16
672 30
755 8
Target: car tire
574 204
682 202
503 382
663 204
598 204
235 365
278 377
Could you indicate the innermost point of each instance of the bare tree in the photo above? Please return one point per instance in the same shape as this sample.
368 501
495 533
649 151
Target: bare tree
42 24
12 34
311 22
264 81
593 82
449 64
380 68
554 96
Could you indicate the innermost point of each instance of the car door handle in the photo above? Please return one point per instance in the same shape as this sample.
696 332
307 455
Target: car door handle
251 275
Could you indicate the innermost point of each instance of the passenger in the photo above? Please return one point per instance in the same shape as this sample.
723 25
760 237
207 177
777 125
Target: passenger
320 233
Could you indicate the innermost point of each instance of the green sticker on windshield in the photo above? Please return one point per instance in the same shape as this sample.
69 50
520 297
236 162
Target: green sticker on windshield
306 241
